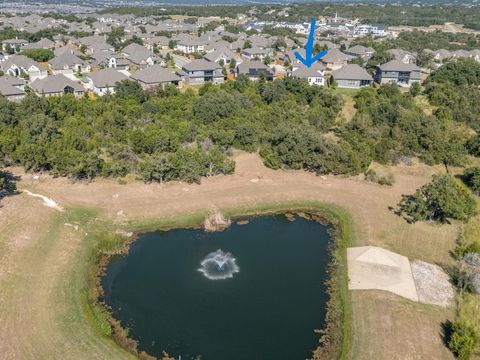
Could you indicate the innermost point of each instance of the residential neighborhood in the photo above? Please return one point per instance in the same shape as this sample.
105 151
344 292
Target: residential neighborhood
156 52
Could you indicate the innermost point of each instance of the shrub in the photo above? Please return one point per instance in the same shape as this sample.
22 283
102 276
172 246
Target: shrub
372 176
442 199
469 239
464 339
471 177
7 184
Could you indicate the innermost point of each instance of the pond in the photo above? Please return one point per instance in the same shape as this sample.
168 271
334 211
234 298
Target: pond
260 297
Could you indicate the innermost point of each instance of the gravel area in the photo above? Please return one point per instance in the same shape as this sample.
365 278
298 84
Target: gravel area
432 283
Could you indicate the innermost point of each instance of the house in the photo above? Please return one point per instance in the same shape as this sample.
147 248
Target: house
104 81
94 44
441 55
223 55
189 44
359 51
68 64
200 71
22 66
378 30
67 49
11 46
117 61
12 88
352 76
335 59
398 72
159 42
43 43
314 75
111 60
406 57
475 54
155 76
56 85
255 53
140 56
254 70
459 54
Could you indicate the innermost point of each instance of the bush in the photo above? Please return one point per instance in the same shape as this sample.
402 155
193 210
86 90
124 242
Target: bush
469 239
7 184
464 339
471 177
371 175
442 199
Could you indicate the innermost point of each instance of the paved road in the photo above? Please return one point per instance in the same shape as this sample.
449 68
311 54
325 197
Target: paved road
180 60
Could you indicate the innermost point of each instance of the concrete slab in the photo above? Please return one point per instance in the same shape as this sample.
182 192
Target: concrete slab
374 268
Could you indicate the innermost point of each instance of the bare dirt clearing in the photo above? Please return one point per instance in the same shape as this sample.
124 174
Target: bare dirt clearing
40 309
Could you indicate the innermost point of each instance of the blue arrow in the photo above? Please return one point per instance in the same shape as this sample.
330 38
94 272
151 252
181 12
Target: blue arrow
309 59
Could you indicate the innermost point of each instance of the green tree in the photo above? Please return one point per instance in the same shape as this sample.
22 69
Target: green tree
415 89
442 199
130 89
40 55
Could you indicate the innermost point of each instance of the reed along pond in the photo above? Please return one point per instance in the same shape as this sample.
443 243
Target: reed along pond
253 291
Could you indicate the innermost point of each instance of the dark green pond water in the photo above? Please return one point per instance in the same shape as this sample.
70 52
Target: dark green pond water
267 310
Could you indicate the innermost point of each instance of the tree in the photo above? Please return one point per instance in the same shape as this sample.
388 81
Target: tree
247 44
442 199
415 89
115 37
40 55
157 168
130 89
172 44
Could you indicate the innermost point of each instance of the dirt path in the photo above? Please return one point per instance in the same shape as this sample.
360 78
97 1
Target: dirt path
40 311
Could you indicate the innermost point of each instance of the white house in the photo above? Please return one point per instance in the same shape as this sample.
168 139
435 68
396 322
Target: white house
104 81
19 66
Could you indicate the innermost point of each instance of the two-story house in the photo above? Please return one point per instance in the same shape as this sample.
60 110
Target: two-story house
201 71
189 44
398 72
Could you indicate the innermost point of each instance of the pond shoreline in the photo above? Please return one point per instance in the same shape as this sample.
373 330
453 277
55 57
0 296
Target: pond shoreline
334 338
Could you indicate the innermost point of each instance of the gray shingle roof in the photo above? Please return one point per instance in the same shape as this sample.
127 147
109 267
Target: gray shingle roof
201 64
396 65
351 72
7 89
61 61
22 62
305 72
106 77
43 43
54 84
154 75
335 56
